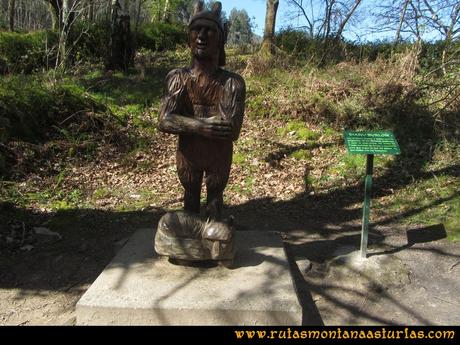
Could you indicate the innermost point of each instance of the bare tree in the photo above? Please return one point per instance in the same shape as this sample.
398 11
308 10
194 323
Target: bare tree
55 7
443 16
68 13
11 13
301 9
166 11
324 18
402 18
269 32
41 14
54 17
65 13
326 28
90 10
138 13
346 16
120 45
422 19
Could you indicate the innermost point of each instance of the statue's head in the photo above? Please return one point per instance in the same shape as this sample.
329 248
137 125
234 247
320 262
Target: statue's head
218 238
207 33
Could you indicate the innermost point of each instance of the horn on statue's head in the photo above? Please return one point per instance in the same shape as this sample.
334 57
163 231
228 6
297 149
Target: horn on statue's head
217 9
198 7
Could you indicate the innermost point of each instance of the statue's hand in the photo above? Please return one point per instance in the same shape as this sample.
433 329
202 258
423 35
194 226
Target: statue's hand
216 128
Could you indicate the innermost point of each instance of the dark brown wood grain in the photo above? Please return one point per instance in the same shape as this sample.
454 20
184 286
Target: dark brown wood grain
204 106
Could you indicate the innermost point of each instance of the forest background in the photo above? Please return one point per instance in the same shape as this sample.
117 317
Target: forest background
80 93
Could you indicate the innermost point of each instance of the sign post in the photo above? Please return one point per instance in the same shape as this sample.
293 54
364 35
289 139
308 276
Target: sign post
370 144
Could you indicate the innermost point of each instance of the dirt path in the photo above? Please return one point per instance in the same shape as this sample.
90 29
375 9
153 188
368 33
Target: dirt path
412 275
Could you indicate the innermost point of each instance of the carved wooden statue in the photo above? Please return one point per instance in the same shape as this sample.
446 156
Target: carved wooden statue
204 106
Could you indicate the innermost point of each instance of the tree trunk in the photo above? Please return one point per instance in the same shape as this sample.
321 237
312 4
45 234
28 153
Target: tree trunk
449 36
138 15
445 50
166 16
269 32
401 21
120 46
67 15
346 19
329 7
11 13
63 32
54 7
90 5
416 22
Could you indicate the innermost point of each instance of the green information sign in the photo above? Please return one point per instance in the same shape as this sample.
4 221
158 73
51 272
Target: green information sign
372 143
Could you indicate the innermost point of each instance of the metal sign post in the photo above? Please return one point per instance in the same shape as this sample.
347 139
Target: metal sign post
370 144
367 204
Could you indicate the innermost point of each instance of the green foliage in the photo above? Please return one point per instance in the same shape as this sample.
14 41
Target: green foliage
240 31
101 193
385 94
36 50
239 158
352 165
90 42
161 36
3 23
299 130
302 155
453 227
26 52
298 43
25 108
29 108
328 51
178 11
55 198
378 95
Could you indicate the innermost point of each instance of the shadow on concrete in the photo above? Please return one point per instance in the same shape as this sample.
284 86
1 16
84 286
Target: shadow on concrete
91 238
421 235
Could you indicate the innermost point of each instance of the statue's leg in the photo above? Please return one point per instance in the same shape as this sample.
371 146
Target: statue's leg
191 179
216 181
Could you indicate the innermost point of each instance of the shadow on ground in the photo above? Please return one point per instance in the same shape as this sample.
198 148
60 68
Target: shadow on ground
317 229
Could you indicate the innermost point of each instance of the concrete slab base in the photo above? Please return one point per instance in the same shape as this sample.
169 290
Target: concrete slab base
140 288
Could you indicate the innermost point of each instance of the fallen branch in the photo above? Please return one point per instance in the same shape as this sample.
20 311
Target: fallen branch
453 266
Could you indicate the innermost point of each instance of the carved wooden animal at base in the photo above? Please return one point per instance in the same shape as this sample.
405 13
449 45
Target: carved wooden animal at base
185 236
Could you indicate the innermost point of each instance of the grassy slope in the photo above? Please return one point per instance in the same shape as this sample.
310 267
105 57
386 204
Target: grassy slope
291 148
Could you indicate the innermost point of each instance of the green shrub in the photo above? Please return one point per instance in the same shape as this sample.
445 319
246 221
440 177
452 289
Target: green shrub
26 52
299 44
29 109
91 42
34 51
299 130
3 24
302 155
161 36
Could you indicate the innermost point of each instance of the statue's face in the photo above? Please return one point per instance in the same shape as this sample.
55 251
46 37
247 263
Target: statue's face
204 39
